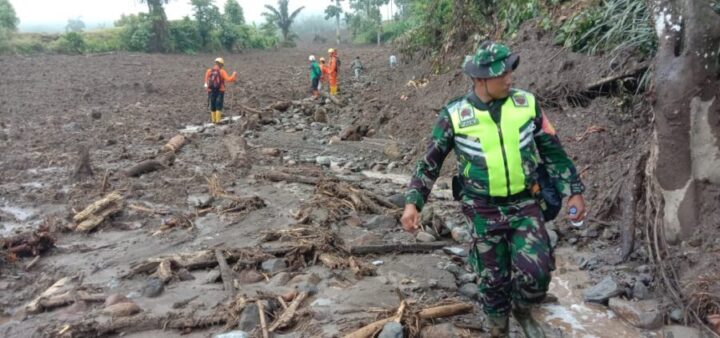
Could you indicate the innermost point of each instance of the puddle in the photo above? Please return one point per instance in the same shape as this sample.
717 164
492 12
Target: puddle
20 214
572 315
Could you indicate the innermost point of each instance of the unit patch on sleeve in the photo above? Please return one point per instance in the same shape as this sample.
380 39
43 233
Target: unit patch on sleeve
467 118
520 100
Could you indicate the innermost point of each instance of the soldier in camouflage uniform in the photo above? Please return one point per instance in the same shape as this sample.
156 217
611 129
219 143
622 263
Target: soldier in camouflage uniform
500 136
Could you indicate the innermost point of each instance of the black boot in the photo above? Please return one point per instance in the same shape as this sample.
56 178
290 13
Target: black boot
498 326
529 325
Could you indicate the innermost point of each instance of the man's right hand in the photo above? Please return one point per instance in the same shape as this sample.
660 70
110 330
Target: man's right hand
411 218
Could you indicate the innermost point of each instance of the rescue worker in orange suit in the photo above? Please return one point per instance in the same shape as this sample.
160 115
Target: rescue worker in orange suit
333 71
215 79
323 73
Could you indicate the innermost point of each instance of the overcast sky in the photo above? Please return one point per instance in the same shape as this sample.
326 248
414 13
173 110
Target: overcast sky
52 12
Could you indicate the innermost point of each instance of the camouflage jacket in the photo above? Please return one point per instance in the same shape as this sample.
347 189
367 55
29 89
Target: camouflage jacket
548 146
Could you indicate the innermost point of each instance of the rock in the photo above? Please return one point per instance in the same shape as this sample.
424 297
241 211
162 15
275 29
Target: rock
310 288
398 200
553 237
320 115
603 291
233 334
185 275
445 330
200 200
392 151
714 322
381 222
644 314
467 278
274 265
423 236
392 330
95 115
279 279
369 238
270 151
646 278
455 251
640 291
326 160
608 234
589 233
677 315
426 215
321 302
213 276
250 318
249 276
643 269
153 288
469 290
572 240
115 299
334 140
461 234
677 331
123 309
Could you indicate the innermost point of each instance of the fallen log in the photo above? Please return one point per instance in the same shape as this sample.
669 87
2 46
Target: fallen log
175 143
139 323
287 316
61 286
68 298
144 167
280 177
226 274
97 206
32 243
371 329
445 311
263 323
395 248
95 220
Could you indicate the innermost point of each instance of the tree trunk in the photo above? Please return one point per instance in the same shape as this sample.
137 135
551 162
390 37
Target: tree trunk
337 25
686 145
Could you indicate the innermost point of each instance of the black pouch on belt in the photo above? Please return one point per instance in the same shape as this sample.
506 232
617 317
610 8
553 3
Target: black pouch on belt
456 187
551 199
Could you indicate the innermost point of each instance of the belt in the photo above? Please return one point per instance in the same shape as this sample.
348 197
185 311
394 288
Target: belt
506 200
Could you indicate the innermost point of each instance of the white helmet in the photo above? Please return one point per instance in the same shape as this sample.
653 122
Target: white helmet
311 58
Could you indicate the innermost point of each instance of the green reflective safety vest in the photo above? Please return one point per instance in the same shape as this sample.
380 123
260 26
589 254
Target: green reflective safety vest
496 159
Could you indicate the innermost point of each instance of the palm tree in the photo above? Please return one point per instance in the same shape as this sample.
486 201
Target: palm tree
279 16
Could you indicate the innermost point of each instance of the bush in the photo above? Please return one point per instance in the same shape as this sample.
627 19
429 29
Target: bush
183 36
104 40
70 43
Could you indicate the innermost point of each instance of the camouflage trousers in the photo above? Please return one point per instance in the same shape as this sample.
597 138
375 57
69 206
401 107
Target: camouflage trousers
510 252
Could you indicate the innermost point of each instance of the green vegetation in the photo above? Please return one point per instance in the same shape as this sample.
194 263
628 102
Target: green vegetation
283 19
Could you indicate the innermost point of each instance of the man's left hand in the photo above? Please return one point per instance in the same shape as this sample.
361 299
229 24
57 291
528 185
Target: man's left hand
578 202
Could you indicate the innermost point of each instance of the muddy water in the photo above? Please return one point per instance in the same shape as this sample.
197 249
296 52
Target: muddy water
571 315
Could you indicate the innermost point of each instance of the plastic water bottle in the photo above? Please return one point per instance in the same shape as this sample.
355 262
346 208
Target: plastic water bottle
573 212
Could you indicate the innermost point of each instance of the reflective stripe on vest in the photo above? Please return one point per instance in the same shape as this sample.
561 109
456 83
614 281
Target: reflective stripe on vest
478 138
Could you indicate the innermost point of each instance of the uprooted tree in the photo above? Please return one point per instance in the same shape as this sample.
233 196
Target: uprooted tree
685 154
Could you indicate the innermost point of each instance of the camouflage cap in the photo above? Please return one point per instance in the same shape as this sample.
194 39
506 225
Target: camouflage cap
490 60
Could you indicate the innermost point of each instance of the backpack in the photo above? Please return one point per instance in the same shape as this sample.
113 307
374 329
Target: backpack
215 80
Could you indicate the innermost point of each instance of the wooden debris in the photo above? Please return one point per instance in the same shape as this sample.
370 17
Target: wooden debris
83 169
31 243
98 211
225 273
281 105
123 309
138 323
287 316
61 286
396 248
144 167
237 148
332 261
445 311
283 177
360 268
175 143
371 329
32 263
165 271
70 297
263 323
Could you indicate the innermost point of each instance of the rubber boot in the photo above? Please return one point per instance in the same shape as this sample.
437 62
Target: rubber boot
529 325
333 90
212 116
498 326
218 116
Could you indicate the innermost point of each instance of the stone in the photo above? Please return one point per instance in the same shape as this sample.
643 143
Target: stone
572 240
677 315
461 234
326 160
392 330
153 288
455 251
381 222
426 215
115 299
123 309
646 278
270 151
274 265
95 115
320 115
445 330
640 291
553 237
185 275
392 151
589 233
469 290
369 238
334 140
678 331
608 234
310 288
601 292
279 279
250 318
213 276
644 314
249 276
643 269
200 200
467 278
423 236
233 334
398 200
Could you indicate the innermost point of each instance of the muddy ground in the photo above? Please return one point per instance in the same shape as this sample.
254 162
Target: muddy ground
123 108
